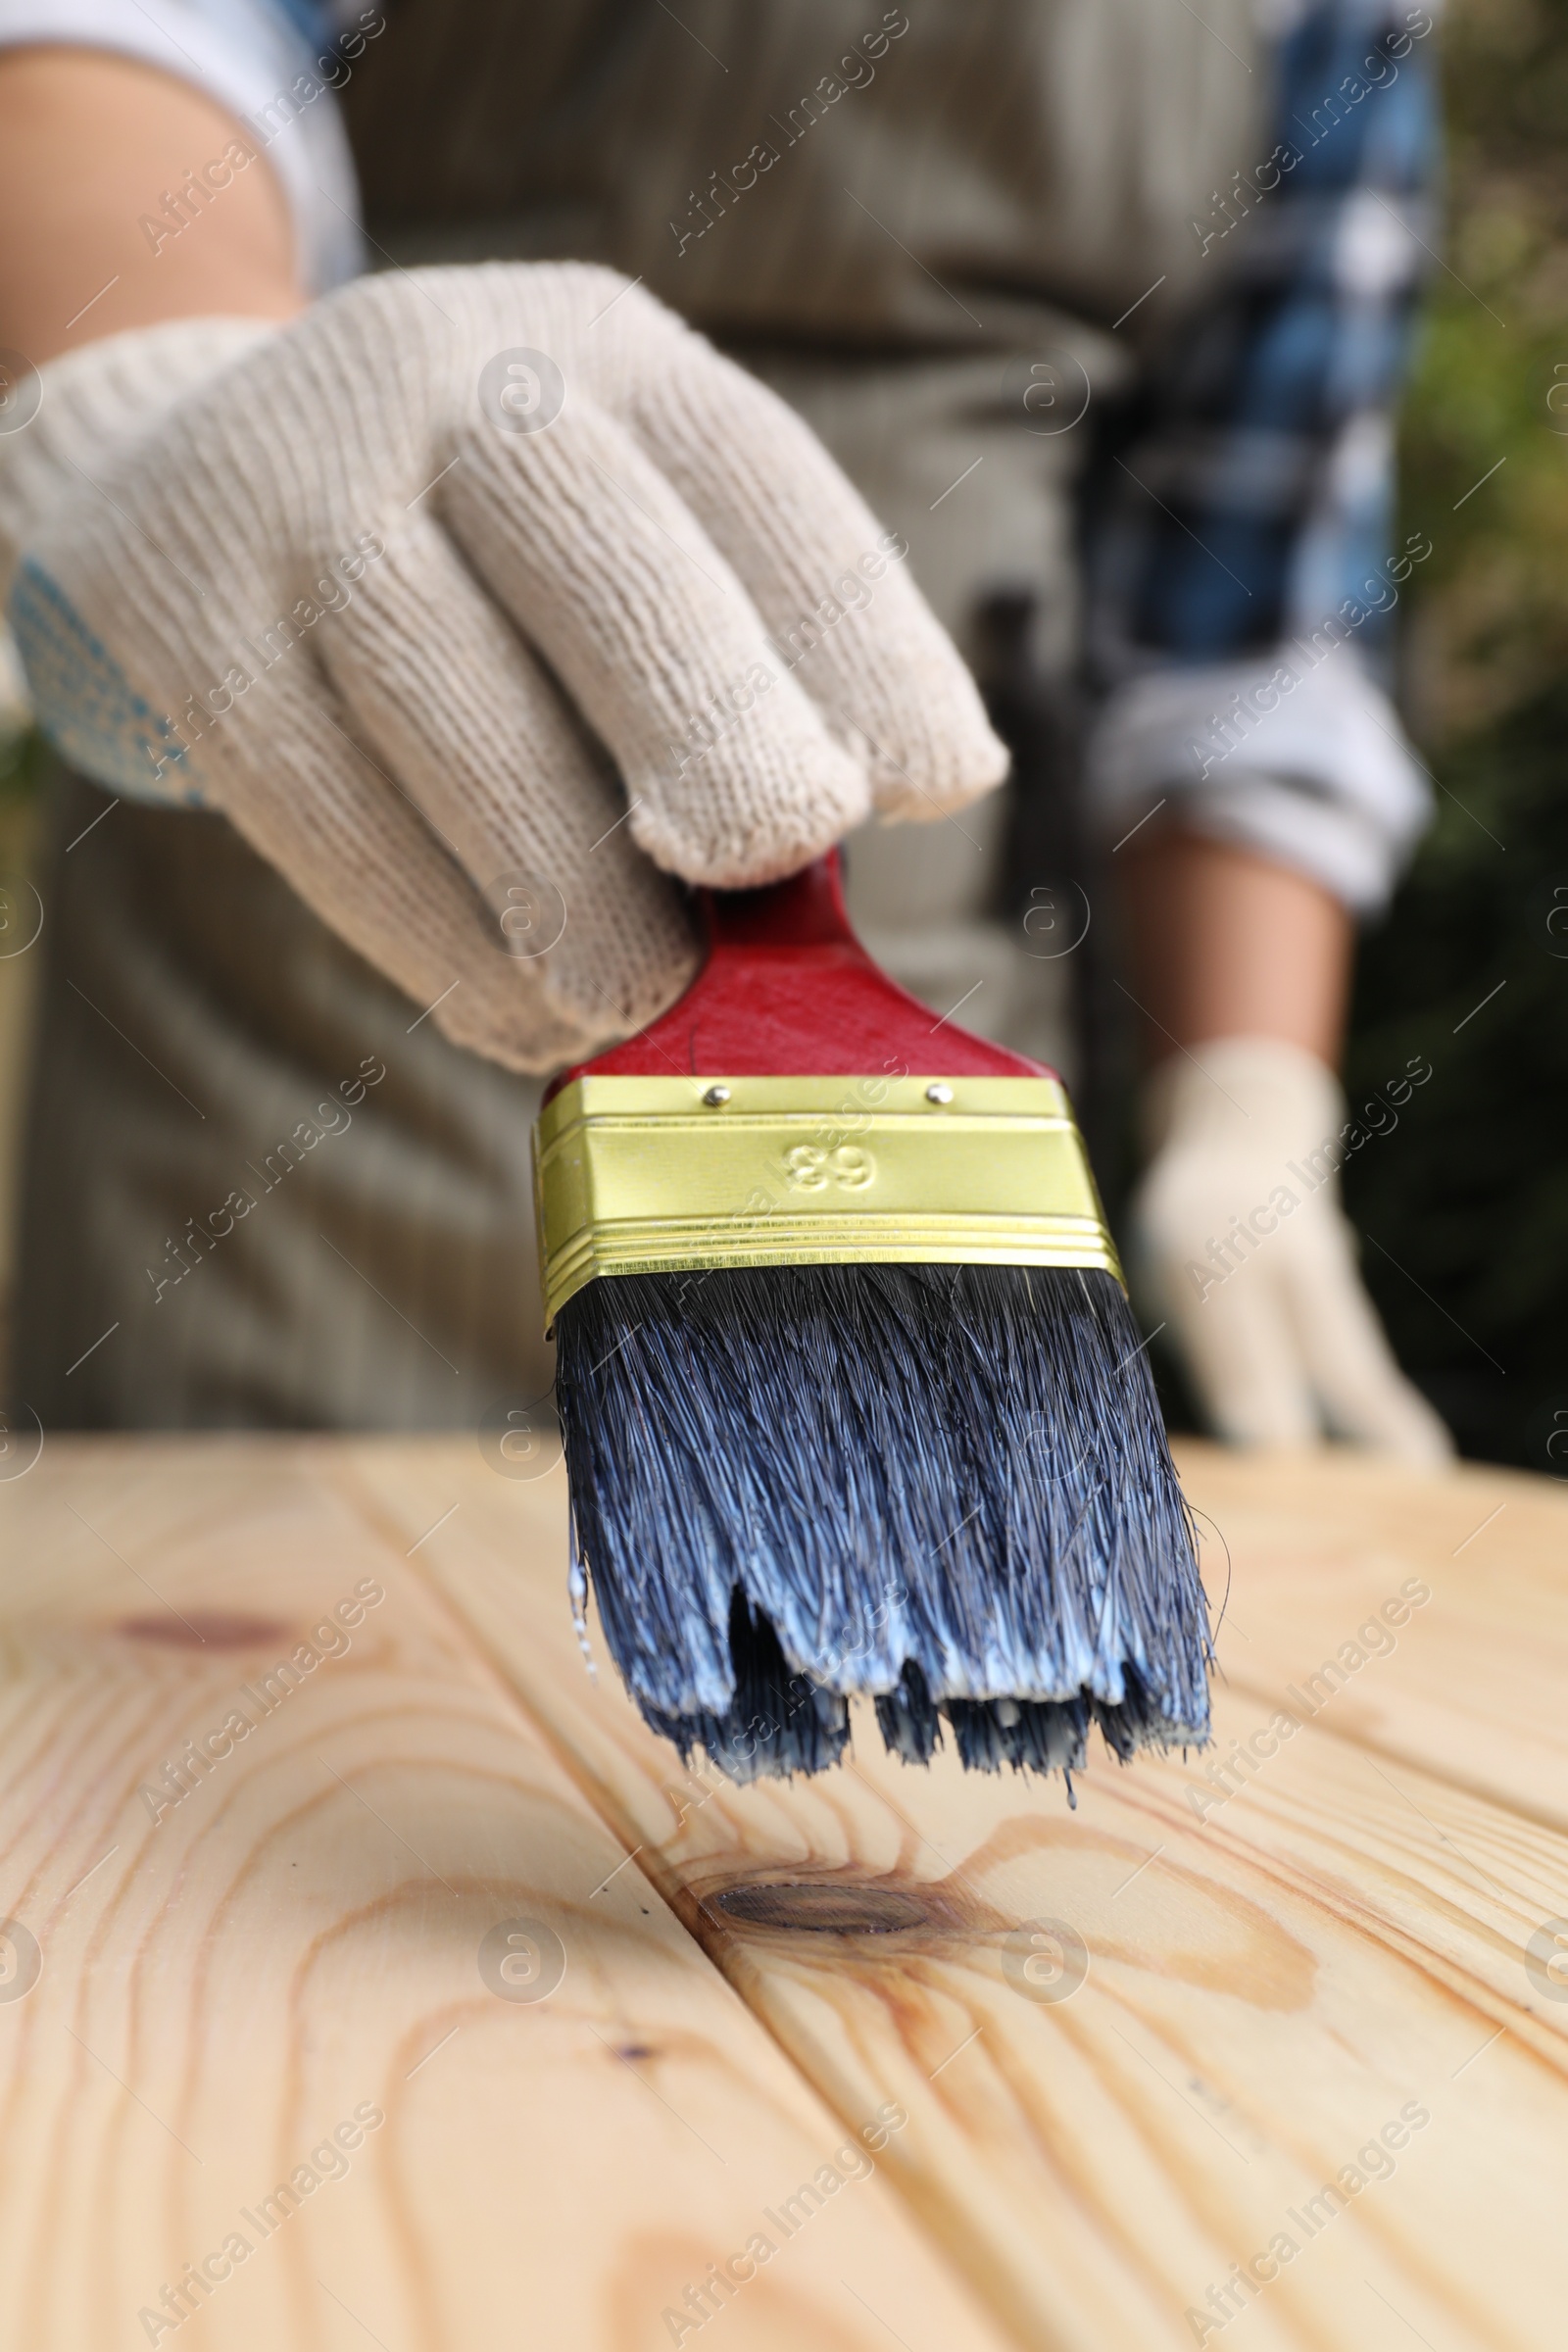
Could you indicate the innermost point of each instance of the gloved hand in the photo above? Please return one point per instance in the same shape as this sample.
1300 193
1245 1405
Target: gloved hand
1239 1243
455 595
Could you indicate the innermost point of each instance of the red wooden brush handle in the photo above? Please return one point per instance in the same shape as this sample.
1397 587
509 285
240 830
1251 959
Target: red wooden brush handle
788 990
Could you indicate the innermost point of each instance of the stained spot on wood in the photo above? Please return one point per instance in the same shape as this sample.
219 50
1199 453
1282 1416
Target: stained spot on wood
825 1907
207 1629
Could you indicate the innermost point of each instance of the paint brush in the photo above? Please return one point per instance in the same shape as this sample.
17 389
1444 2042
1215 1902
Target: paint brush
852 1399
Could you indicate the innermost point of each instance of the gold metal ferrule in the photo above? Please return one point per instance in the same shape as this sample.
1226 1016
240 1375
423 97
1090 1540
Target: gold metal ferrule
670 1175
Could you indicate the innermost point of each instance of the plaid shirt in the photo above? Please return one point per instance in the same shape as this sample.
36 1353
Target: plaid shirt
1245 493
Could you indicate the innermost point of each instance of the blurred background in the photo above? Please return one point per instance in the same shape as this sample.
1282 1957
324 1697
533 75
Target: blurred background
1469 1192
1464 1204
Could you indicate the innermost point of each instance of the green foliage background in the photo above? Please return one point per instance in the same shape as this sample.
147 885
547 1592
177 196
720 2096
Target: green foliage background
1465 1207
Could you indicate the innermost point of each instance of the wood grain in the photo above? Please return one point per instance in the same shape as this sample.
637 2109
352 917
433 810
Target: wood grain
1276 1972
296 1944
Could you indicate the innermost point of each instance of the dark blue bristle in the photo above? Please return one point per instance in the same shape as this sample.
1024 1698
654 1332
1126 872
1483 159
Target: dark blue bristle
944 1487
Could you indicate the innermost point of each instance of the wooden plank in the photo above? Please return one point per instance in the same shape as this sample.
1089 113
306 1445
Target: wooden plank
291 1975
1335 1551
1317 1976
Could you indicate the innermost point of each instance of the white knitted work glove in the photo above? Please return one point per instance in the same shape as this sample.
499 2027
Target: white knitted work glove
59 425
56 425
1239 1242
433 588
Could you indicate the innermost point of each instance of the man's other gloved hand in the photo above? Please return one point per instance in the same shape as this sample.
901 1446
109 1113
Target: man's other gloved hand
476 596
1241 1244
